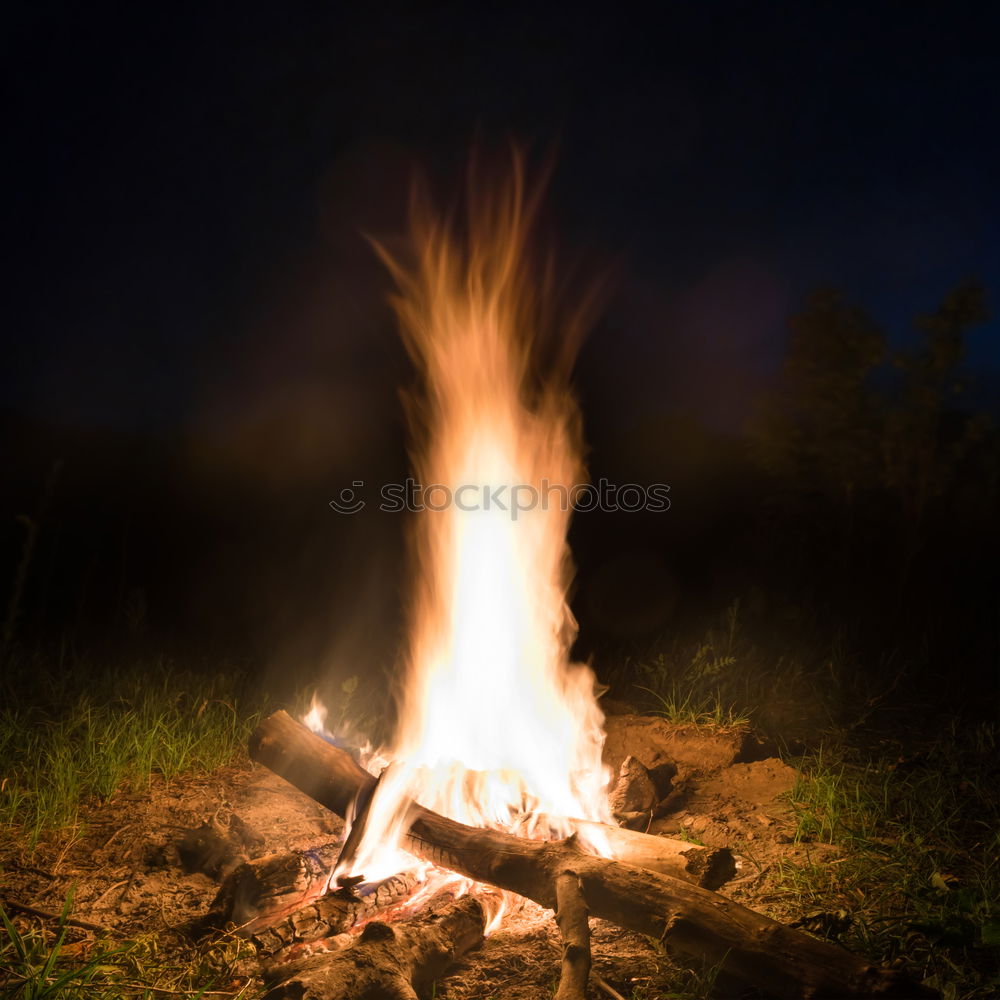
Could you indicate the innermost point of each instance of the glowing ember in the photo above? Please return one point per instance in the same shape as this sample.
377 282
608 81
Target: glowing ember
496 726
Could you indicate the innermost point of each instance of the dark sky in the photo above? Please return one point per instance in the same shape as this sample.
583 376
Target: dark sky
187 185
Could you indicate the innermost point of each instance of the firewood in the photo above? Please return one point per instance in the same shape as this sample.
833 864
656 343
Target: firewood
687 918
709 867
335 912
388 962
261 892
573 923
359 824
283 899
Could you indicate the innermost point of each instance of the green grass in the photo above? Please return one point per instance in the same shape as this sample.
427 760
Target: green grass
706 682
685 707
72 736
31 968
918 871
736 671
38 965
77 734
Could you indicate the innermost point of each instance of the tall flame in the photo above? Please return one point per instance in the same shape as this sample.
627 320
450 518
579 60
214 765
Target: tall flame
496 726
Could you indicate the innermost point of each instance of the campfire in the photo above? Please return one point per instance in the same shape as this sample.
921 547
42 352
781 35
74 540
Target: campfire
493 789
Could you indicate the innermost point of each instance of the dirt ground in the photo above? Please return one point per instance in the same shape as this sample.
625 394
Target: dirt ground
127 867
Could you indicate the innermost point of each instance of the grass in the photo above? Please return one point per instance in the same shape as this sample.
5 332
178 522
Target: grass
917 876
72 736
701 683
75 734
36 965
734 673
688 708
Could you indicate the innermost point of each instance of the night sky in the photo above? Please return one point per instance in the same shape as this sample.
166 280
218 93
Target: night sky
188 186
198 327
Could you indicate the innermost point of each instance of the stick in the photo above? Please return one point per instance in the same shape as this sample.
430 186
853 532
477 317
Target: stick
571 917
69 921
362 807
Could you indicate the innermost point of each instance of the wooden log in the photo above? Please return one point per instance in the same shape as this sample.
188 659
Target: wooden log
574 926
262 892
388 962
335 913
689 919
282 899
709 867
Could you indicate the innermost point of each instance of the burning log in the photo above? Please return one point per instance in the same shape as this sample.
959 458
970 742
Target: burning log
282 899
336 912
262 892
388 962
690 919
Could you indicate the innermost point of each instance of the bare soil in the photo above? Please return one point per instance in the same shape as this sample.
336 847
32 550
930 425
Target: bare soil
126 865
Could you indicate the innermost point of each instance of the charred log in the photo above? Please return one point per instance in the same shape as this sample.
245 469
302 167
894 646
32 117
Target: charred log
283 899
335 913
215 849
261 892
388 962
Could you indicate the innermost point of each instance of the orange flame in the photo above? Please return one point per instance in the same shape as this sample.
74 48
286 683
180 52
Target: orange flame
496 726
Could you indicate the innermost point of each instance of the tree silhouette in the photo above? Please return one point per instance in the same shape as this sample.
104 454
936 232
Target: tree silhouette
928 431
817 432
839 427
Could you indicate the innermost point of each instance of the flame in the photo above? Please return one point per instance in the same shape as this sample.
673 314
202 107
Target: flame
315 719
496 726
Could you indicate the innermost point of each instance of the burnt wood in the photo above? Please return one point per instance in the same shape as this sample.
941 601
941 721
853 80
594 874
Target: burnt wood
268 889
388 962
